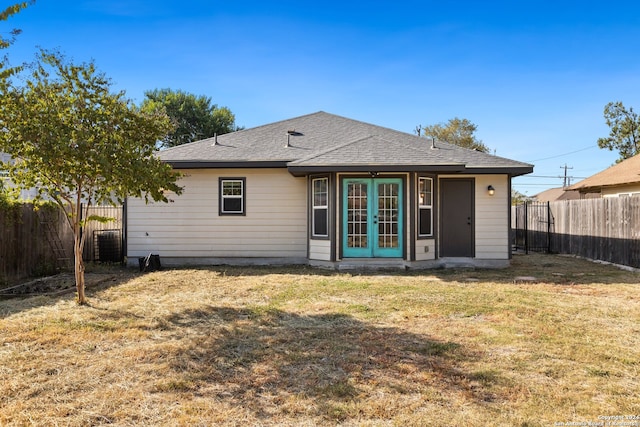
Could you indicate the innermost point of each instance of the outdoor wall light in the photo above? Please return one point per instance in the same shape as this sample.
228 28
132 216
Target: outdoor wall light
491 190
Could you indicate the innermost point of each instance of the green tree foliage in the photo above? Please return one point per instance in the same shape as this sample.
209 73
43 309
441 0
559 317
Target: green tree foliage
5 15
6 72
194 117
456 131
517 198
5 42
79 144
625 130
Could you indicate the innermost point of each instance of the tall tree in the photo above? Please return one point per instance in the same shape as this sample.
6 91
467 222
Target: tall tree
194 116
456 131
79 144
625 130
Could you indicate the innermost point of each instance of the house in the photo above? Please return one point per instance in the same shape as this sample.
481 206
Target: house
620 180
555 194
329 191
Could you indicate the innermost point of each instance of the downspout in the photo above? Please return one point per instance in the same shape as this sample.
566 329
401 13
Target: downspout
125 251
512 232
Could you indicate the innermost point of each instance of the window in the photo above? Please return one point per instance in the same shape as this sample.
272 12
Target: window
232 196
425 207
320 205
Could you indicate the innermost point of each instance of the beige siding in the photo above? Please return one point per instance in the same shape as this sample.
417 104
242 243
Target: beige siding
425 250
626 190
320 250
275 224
492 217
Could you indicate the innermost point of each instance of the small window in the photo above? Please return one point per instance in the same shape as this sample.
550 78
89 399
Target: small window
320 205
425 207
232 196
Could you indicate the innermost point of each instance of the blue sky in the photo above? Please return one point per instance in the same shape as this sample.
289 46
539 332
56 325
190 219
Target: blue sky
534 76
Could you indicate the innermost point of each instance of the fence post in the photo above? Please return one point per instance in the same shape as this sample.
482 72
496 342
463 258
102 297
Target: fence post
526 228
548 227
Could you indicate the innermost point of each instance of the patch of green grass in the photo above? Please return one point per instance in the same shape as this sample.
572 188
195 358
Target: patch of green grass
174 386
597 372
340 389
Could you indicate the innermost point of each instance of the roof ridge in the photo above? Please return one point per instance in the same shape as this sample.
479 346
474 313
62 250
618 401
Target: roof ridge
418 149
473 150
329 150
211 138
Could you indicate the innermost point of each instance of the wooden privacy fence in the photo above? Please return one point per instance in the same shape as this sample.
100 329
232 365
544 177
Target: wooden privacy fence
41 242
606 229
33 242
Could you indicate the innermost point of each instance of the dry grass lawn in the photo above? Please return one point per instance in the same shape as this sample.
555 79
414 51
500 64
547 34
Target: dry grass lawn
298 346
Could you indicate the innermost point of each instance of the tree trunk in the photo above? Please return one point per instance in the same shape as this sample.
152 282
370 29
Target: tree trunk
79 269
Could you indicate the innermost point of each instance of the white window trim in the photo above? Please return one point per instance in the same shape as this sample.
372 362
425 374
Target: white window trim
428 206
241 196
318 207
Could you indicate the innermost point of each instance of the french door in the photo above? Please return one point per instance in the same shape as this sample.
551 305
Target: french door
372 218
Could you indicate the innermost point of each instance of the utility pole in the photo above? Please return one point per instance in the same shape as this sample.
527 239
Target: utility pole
567 179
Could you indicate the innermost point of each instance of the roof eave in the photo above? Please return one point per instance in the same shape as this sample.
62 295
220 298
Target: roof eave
301 170
598 188
309 169
208 164
509 170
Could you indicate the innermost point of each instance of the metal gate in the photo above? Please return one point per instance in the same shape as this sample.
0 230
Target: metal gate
533 227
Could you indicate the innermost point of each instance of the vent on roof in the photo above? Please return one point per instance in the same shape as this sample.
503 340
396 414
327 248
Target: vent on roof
291 132
433 143
215 138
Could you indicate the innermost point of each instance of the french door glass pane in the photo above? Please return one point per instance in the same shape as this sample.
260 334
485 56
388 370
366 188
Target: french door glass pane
388 215
357 215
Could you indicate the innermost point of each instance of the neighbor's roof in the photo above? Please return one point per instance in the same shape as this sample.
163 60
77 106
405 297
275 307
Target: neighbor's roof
555 194
326 142
559 194
625 172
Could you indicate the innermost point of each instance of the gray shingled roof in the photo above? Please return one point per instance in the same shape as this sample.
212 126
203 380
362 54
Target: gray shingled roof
322 141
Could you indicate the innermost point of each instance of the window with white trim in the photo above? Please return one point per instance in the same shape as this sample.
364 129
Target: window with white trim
232 196
425 207
320 207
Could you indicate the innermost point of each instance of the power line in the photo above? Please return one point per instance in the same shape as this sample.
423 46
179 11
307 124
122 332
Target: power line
549 176
561 155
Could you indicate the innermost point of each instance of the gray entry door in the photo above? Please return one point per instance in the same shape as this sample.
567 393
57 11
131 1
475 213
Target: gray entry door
456 218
